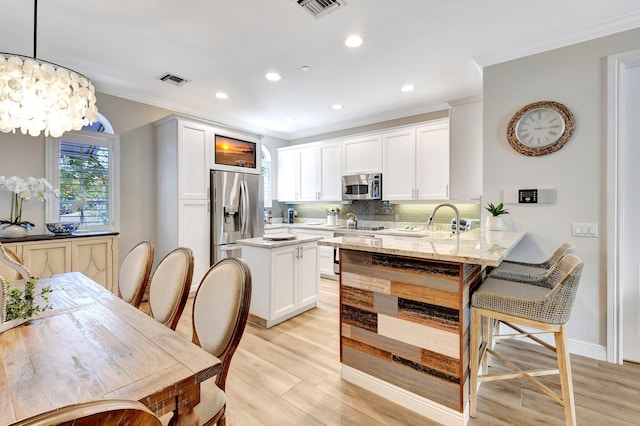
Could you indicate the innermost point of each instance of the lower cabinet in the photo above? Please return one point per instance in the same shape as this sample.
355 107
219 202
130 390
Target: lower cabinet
285 281
325 253
94 256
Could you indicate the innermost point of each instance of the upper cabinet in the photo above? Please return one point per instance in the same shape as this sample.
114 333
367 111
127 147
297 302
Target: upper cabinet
330 164
466 148
362 155
416 162
309 172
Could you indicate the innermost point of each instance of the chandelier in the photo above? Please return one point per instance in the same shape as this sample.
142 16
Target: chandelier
39 96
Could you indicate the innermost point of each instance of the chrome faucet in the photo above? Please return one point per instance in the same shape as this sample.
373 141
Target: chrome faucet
433 213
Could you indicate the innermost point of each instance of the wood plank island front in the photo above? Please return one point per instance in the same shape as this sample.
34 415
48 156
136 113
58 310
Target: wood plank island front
405 315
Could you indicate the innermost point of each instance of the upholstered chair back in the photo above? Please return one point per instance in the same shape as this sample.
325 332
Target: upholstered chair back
169 287
11 268
221 309
135 272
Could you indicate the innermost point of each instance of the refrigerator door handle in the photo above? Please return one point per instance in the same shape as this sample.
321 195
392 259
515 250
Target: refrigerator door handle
245 208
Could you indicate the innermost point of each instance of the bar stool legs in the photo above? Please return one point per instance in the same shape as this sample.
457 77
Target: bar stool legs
480 351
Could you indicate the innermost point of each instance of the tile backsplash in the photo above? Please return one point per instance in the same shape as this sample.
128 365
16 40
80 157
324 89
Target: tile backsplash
383 211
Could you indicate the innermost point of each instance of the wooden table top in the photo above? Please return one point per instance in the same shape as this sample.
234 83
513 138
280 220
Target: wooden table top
93 346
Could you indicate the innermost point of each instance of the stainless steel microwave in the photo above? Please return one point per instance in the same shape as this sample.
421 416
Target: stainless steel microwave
362 187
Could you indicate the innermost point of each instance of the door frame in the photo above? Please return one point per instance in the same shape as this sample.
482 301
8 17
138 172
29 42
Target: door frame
617 66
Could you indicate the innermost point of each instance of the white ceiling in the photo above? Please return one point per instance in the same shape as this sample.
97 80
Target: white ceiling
439 46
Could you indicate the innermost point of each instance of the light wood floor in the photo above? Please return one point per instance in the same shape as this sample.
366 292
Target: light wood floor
290 375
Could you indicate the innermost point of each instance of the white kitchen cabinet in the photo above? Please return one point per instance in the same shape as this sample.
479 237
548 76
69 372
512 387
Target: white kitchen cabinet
399 165
325 253
309 172
95 255
362 155
287 174
465 139
183 159
285 281
330 164
432 160
416 162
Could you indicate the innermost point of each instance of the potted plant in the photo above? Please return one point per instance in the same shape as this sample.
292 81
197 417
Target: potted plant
495 222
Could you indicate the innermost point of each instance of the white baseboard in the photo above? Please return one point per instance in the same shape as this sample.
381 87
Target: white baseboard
409 400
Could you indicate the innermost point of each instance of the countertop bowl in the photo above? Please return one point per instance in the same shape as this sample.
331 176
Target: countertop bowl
62 228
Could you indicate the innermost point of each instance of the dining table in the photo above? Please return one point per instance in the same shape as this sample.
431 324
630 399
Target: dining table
91 345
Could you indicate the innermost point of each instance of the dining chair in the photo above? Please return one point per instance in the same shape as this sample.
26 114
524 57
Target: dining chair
169 286
11 268
114 412
220 313
135 272
542 307
526 271
3 300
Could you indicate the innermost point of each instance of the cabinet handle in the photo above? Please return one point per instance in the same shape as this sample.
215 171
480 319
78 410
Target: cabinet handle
301 252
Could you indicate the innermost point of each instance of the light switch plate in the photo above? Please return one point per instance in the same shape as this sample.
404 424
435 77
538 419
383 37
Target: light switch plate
580 229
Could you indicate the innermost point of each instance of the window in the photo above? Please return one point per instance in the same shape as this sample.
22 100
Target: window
266 174
84 166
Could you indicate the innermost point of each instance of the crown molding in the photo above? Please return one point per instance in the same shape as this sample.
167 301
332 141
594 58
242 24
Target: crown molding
603 28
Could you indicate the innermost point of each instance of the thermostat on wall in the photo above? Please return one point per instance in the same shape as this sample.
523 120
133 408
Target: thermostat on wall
529 196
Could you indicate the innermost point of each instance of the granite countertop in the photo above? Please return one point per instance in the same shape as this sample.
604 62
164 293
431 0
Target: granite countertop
264 243
475 247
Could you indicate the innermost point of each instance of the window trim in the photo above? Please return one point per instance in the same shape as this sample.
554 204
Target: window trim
52 169
267 153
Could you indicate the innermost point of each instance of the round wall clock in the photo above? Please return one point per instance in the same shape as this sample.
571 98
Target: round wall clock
540 128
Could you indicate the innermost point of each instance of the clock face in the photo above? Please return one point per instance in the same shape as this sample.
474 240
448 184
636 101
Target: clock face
540 127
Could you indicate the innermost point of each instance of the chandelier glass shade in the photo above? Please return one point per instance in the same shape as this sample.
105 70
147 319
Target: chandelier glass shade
38 96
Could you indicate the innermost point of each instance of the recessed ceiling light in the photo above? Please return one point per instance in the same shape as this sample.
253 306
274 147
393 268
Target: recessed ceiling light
337 107
353 41
222 95
272 76
289 119
408 88
305 68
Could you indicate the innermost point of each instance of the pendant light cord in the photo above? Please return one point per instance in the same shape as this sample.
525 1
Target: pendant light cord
35 27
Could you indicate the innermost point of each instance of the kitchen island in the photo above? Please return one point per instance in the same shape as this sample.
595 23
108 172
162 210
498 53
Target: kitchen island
284 275
405 315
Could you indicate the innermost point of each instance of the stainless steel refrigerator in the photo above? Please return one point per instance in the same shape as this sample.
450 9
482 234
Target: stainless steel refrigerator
237 211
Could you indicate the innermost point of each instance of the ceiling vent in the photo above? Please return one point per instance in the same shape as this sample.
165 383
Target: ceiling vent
320 7
173 79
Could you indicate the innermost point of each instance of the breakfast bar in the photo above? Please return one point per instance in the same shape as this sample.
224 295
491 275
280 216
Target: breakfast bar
405 315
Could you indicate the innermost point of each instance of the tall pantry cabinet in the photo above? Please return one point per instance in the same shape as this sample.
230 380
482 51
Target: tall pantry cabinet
183 153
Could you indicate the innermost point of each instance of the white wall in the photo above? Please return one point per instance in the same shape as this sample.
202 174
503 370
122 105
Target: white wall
576 77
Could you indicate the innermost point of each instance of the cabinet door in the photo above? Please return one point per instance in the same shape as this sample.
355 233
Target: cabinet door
94 258
308 274
330 163
362 155
194 141
308 173
193 231
46 259
325 260
284 281
399 165
432 161
287 175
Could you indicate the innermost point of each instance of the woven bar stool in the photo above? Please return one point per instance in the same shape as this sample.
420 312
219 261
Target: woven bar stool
545 306
524 271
